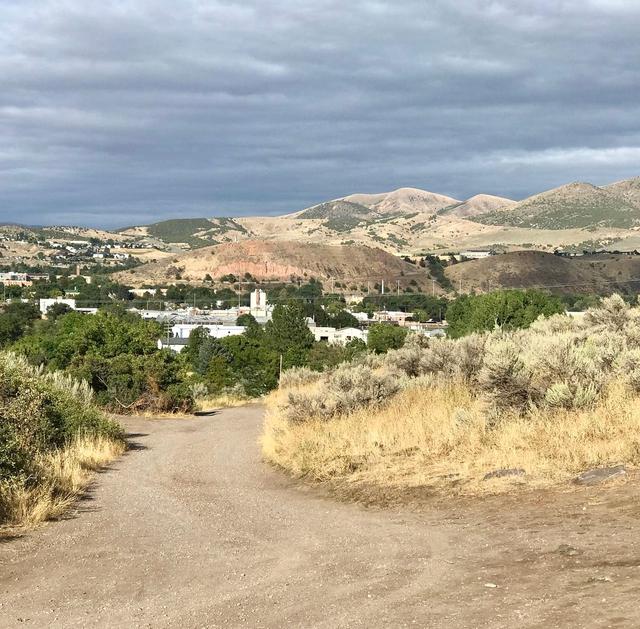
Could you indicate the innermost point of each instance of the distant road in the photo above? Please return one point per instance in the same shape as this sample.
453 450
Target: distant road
191 529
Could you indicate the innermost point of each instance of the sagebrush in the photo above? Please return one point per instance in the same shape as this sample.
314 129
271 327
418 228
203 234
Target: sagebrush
552 399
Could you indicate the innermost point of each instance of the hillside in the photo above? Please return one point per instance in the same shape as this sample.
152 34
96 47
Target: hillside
353 266
478 205
366 210
628 189
600 273
403 200
575 205
194 232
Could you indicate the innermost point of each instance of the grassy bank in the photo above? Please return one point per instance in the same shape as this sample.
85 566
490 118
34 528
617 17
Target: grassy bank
553 401
52 438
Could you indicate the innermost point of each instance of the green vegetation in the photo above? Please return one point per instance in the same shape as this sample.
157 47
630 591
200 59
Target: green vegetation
15 320
383 337
42 414
583 206
250 363
337 210
182 230
116 353
436 269
504 309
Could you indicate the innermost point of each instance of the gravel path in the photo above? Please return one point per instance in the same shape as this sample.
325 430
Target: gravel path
191 529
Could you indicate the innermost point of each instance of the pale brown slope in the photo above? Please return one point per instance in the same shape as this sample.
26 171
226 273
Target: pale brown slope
404 200
282 261
628 189
536 269
477 205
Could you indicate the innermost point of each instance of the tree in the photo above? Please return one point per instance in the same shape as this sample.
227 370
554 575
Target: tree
506 309
288 334
384 336
57 310
247 320
15 320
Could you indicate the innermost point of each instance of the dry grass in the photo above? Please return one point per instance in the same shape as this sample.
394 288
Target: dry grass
62 475
443 437
224 400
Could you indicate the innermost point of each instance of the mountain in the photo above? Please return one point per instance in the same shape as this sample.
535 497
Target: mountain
478 205
598 273
402 200
352 265
579 216
628 189
575 205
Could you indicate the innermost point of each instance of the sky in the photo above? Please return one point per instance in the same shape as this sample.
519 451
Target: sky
120 112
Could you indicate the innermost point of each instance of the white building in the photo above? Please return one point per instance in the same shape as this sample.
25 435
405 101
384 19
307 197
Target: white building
259 307
45 304
475 254
363 317
338 337
217 331
392 316
180 333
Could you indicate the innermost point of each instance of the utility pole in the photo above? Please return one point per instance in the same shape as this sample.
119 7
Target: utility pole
433 286
382 292
398 287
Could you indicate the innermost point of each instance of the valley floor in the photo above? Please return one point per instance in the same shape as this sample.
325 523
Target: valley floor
191 529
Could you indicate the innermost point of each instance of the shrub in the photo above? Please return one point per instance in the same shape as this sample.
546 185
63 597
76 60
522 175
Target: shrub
41 413
298 376
504 376
384 336
342 391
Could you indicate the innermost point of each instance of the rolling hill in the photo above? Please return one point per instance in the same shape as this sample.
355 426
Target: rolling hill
628 189
477 206
194 232
353 266
600 273
403 200
575 205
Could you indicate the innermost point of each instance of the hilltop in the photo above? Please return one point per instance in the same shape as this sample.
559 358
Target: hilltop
478 205
352 266
575 205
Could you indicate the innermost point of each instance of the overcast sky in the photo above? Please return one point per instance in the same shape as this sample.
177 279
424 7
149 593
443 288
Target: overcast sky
121 112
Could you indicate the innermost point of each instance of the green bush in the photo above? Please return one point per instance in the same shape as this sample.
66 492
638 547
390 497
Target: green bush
384 336
40 412
116 353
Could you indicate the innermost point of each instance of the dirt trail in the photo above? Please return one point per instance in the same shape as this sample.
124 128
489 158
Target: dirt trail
191 529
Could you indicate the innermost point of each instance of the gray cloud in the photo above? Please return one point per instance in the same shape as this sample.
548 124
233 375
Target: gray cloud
114 112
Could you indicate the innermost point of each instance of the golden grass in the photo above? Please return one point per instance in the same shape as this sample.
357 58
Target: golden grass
224 400
441 437
62 476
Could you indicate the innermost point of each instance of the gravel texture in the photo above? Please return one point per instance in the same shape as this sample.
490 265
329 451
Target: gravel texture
191 529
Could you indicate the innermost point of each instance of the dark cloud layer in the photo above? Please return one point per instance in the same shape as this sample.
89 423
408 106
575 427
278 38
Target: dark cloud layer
121 111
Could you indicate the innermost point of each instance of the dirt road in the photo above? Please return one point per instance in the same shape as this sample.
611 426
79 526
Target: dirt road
191 529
